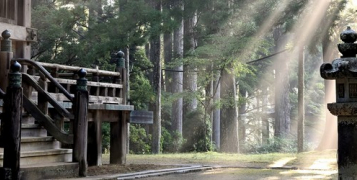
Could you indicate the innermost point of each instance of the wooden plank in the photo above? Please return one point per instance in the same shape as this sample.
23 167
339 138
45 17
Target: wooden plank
27 13
18 33
141 117
114 107
105 100
89 83
92 99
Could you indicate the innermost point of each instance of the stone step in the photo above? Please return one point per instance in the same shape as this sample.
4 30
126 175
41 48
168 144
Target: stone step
49 171
37 143
27 119
33 130
43 156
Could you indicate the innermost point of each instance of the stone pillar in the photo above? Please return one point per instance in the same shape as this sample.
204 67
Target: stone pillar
344 71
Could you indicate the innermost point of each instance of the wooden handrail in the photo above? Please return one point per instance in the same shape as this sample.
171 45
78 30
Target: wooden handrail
28 79
77 68
47 122
47 74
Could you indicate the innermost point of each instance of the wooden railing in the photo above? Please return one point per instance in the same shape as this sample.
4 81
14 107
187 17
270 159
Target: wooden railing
108 92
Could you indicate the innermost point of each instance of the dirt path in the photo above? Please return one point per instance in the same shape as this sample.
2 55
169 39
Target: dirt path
250 174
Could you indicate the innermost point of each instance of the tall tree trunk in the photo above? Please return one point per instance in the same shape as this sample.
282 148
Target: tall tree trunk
190 75
282 87
168 52
301 108
242 119
258 122
147 50
265 119
229 114
155 52
168 59
216 113
177 77
208 109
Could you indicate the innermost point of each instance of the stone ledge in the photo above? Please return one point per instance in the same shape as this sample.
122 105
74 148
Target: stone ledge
343 109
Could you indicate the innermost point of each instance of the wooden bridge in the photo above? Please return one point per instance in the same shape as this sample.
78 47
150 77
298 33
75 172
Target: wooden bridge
50 97
52 114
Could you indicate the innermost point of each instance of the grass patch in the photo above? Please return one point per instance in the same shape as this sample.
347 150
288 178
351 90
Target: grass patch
214 158
210 157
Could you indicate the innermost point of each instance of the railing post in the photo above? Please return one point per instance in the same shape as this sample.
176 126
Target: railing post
119 129
6 55
11 124
121 68
80 129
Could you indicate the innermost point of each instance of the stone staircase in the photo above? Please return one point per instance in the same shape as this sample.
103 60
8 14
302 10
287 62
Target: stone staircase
41 155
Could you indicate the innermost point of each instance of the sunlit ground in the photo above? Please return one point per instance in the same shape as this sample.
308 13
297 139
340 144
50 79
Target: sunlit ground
252 174
308 165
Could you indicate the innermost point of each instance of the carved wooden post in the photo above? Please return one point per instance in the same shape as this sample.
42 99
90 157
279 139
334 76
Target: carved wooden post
5 57
95 133
11 124
80 125
118 130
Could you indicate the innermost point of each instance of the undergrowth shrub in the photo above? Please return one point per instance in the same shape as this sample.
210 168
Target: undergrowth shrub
275 144
140 141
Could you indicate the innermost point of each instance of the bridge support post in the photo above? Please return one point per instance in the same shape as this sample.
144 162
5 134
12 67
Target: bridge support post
11 124
118 136
80 125
119 129
6 55
95 140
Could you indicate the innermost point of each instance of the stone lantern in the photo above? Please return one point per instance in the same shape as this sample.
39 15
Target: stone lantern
344 71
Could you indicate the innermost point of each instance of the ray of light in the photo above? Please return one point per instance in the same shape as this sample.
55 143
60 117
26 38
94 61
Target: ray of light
281 162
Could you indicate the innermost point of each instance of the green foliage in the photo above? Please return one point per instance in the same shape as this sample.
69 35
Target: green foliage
71 35
171 142
139 140
286 145
105 137
141 92
198 130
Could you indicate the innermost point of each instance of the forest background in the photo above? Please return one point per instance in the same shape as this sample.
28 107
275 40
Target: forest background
219 75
